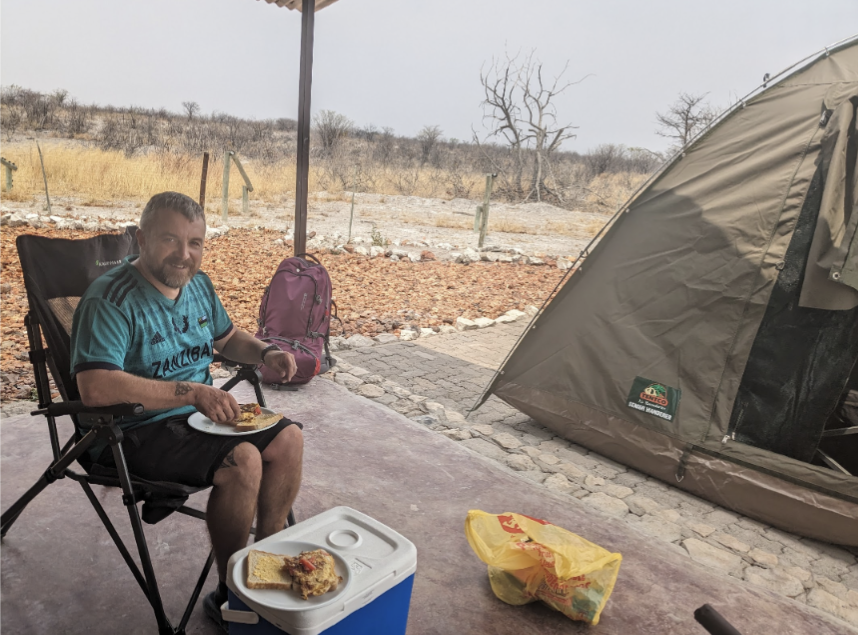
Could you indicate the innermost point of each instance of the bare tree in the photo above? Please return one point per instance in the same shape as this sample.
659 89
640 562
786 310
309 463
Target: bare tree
192 109
685 118
519 106
332 128
429 136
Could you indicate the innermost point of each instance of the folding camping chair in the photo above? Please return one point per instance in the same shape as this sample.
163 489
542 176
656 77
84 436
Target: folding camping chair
56 274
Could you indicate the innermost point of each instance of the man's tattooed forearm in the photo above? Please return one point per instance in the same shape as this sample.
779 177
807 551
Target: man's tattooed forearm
182 388
229 460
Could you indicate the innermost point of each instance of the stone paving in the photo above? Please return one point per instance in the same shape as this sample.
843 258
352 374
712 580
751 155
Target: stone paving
436 380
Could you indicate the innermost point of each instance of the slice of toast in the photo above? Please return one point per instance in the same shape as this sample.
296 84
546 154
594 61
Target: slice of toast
259 422
265 571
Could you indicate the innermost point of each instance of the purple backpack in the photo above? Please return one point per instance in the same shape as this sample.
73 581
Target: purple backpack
295 314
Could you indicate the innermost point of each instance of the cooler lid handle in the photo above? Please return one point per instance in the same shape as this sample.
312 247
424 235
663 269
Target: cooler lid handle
239 617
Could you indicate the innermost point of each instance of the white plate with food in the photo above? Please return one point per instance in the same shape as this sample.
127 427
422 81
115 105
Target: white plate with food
253 419
292 575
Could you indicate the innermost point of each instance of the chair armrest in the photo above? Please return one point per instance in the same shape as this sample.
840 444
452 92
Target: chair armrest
77 407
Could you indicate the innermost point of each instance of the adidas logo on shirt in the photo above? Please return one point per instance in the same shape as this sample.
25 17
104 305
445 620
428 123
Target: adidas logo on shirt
157 339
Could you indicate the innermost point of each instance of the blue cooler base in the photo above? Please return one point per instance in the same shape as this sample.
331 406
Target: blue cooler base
386 615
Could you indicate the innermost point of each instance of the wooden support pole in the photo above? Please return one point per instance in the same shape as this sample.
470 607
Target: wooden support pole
352 215
203 181
308 8
45 177
224 209
245 202
9 166
484 216
242 172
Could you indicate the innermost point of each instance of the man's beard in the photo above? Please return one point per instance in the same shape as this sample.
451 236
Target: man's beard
168 276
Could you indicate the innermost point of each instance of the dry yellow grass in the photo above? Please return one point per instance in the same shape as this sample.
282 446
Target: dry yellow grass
100 177
454 221
97 176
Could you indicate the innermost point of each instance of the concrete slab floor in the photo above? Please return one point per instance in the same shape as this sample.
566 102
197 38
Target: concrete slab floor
62 574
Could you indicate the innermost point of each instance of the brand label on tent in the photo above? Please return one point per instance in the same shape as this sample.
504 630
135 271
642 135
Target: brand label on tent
654 398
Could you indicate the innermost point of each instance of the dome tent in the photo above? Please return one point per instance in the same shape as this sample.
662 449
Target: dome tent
709 337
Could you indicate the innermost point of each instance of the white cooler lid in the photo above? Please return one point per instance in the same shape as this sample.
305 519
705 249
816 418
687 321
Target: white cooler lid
371 557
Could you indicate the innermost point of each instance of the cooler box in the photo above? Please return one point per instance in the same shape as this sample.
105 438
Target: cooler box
377 565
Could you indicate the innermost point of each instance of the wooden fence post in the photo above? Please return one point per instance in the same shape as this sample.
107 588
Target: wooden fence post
247 187
9 167
203 181
224 210
484 209
45 177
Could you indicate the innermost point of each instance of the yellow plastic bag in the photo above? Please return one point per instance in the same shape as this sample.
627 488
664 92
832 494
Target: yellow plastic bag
532 559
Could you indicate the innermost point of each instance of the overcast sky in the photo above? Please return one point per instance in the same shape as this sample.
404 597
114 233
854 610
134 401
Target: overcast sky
409 63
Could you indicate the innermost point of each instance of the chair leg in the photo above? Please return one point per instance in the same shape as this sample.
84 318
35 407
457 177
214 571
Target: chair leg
123 550
55 471
154 595
196 594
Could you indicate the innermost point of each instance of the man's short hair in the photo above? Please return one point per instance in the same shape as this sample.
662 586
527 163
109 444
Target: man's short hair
185 205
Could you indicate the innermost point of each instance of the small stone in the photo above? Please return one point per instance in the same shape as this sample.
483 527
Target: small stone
520 462
852 598
594 481
484 429
446 328
372 391
504 319
763 557
424 332
453 416
464 324
641 505
347 380
386 338
558 483
515 314
824 601
485 448
571 472
359 341
529 450
618 491
548 459
670 515
834 588
776 580
506 441
357 371
484 322
731 542
531 310
711 556
427 255
608 504
457 435
800 574
701 529
407 335
418 399
376 251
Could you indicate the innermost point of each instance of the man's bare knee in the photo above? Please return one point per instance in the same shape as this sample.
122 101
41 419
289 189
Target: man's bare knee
242 465
287 447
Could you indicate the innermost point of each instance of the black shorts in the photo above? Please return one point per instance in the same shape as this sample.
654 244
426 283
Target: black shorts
171 450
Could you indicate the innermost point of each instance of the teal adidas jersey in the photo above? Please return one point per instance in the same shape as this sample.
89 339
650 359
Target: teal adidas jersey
124 323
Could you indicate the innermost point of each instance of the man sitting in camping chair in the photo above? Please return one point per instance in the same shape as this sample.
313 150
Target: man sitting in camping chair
146 332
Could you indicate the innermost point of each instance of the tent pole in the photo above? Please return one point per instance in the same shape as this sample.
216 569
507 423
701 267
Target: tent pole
303 168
